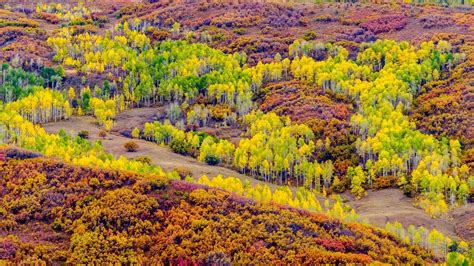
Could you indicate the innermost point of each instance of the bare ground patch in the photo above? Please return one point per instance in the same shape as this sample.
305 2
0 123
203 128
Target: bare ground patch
464 221
126 121
390 205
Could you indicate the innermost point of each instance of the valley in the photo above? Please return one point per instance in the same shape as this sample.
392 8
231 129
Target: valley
211 132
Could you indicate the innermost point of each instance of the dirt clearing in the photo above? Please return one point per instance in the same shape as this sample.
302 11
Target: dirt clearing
390 205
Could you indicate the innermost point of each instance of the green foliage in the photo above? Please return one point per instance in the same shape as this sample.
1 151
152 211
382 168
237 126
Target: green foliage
52 76
15 83
382 81
83 134
86 99
211 159
214 151
180 146
143 159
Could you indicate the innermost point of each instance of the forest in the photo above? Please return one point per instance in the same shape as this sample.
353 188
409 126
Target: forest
236 133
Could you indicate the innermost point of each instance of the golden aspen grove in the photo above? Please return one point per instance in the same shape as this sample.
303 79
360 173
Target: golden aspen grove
244 132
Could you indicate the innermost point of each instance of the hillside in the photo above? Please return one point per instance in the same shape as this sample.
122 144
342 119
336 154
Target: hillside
55 212
395 207
236 132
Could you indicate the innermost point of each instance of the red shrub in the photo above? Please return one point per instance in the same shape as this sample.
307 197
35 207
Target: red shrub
331 244
51 18
385 24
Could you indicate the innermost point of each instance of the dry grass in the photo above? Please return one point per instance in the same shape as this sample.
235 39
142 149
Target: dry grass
390 205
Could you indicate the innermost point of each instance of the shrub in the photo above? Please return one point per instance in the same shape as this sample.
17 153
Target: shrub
239 31
340 186
180 146
131 146
57 225
78 29
434 21
310 35
183 172
217 258
325 18
94 182
20 154
157 34
357 35
143 159
219 112
154 182
218 37
385 182
102 134
211 159
83 134
99 18
51 18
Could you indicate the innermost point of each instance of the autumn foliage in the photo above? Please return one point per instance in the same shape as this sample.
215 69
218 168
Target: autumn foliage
327 97
83 215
